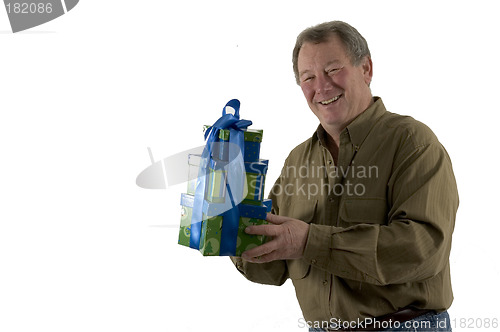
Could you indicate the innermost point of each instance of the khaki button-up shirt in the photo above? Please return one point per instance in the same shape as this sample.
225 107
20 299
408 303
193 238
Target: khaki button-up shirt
381 220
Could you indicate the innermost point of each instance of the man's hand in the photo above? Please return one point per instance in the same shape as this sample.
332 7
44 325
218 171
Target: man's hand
289 240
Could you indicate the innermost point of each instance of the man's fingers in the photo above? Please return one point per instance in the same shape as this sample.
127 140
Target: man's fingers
272 256
275 219
253 255
267 230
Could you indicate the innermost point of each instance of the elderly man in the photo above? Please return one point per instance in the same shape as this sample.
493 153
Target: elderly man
364 210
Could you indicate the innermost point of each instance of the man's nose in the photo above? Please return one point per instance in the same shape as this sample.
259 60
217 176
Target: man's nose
324 83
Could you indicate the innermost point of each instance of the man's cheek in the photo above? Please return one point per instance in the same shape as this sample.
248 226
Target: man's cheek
308 92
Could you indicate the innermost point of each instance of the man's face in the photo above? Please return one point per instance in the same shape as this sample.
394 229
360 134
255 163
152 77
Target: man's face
335 90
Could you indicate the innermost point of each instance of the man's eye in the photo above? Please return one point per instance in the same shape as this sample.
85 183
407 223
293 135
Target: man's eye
333 71
308 78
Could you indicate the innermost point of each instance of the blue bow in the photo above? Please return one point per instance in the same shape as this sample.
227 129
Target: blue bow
235 179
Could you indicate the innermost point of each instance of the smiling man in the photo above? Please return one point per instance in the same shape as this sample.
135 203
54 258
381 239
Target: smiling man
336 89
364 234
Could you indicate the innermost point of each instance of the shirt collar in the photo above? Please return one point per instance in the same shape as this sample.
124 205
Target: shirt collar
359 128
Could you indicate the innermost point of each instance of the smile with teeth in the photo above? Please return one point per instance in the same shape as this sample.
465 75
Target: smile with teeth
329 101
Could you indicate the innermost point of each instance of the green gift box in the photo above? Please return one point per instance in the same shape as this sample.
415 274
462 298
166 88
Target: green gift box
210 239
252 137
216 181
255 173
246 241
187 202
215 188
211 229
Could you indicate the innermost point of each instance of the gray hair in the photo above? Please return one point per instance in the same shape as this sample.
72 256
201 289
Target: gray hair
355 44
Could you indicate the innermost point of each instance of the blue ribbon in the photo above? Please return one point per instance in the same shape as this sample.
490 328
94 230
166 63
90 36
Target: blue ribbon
235 179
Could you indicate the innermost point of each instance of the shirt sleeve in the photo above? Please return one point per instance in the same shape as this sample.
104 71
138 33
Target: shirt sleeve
272 273
415 241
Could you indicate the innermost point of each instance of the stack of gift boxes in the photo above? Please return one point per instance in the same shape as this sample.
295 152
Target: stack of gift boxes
252 209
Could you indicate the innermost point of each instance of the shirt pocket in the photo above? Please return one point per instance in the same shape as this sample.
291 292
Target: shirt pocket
303 210
364 211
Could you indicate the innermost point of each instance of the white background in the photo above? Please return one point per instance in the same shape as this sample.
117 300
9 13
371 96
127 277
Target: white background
82 248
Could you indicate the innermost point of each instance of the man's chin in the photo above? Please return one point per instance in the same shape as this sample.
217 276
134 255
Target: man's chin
331 122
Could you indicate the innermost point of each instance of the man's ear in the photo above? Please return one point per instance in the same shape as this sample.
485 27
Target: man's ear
367 67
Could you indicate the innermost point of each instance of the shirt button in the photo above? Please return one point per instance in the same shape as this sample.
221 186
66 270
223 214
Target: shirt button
325 282
331 199
313 261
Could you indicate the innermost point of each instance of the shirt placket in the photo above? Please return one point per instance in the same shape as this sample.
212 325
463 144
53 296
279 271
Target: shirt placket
347 152
336 180
326 215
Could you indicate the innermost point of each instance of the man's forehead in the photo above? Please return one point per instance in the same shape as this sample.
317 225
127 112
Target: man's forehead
320 54
332 49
